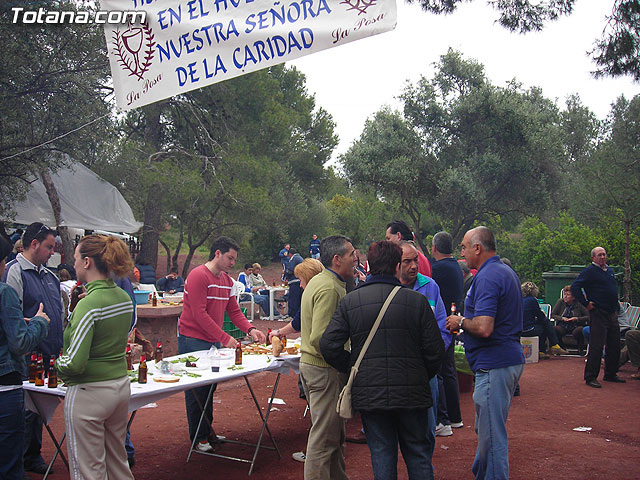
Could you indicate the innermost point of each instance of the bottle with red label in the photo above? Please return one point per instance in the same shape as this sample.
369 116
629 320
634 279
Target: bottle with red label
158 357
40 372
75 296
32 367
53 376
142 370
268 337
129 356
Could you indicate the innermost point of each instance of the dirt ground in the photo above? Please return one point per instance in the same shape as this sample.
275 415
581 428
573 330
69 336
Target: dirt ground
542 444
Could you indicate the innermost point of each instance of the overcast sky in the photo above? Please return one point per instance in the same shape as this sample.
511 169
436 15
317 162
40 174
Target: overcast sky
354 80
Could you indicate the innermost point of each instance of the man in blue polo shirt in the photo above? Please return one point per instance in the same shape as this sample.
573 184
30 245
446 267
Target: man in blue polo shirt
492 323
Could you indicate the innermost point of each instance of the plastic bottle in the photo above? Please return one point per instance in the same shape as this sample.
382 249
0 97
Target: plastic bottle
53 376
268 340
142 370
154 300
158 352
239 354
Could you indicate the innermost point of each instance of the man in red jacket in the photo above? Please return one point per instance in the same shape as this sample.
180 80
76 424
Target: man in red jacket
209 292
397 231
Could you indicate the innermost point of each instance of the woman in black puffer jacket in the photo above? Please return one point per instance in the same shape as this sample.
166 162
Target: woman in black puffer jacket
391 390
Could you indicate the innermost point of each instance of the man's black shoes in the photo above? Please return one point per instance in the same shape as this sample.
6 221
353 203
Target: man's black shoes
614 379
594 383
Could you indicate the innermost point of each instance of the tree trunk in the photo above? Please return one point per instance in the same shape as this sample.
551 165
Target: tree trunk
153 204
54 200
187 261
168 250
627 264
174 260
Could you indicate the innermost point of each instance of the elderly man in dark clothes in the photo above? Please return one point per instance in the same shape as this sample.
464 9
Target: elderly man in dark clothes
601 289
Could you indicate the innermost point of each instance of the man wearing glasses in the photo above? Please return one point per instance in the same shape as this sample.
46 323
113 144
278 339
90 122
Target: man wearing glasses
36 284
492 323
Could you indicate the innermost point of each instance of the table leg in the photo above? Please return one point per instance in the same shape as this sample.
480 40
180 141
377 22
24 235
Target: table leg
202 415
53 439
271 303
265 418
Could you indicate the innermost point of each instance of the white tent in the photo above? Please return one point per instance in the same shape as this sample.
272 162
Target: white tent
86 200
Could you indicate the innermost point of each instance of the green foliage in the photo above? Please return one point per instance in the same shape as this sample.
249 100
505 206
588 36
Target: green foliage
463 151
616 53
540 247
362 217
53 79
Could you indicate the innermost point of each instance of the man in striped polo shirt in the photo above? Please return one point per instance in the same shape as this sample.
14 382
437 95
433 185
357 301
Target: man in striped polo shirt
209 292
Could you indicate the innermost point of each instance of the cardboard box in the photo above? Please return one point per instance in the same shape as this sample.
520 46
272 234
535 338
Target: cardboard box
530 349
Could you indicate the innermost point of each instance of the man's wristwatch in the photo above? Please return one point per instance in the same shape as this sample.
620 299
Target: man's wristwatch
250 329
462 319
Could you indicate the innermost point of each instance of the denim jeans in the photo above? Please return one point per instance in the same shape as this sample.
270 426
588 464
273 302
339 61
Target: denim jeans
11 434
128 446
448 390
263 301
432 417
33 425
492 398
196 397
385 429
544 332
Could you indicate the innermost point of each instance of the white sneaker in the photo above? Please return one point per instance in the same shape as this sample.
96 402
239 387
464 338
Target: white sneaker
204 447
443 430
299 456
457 425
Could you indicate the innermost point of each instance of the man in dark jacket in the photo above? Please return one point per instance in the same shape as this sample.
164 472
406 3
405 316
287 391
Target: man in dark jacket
391 390
601 288
35 284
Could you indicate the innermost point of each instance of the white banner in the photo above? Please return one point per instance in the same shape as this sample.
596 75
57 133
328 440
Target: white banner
188 44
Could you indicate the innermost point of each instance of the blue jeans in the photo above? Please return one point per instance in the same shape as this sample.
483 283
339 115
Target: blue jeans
11 434
295 295
492 398
33 425
196 397
385 429
263 301
432 417
128 446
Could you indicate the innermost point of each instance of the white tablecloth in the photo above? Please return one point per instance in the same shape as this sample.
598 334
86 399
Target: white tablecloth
47 399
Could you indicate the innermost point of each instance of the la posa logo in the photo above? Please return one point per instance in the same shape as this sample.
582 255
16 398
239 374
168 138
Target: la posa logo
42 16
133 47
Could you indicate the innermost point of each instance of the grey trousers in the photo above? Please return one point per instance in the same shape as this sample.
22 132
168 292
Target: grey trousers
325 446
95 417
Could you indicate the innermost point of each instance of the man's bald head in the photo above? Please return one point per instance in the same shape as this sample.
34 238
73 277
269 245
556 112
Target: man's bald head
484 237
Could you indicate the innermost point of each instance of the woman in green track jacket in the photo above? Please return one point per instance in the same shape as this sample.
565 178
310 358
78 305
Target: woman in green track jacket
93 363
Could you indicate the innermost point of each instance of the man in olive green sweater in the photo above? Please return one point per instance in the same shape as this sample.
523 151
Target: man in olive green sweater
322 383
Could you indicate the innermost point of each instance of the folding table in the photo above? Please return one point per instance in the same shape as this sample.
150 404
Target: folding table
45 401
